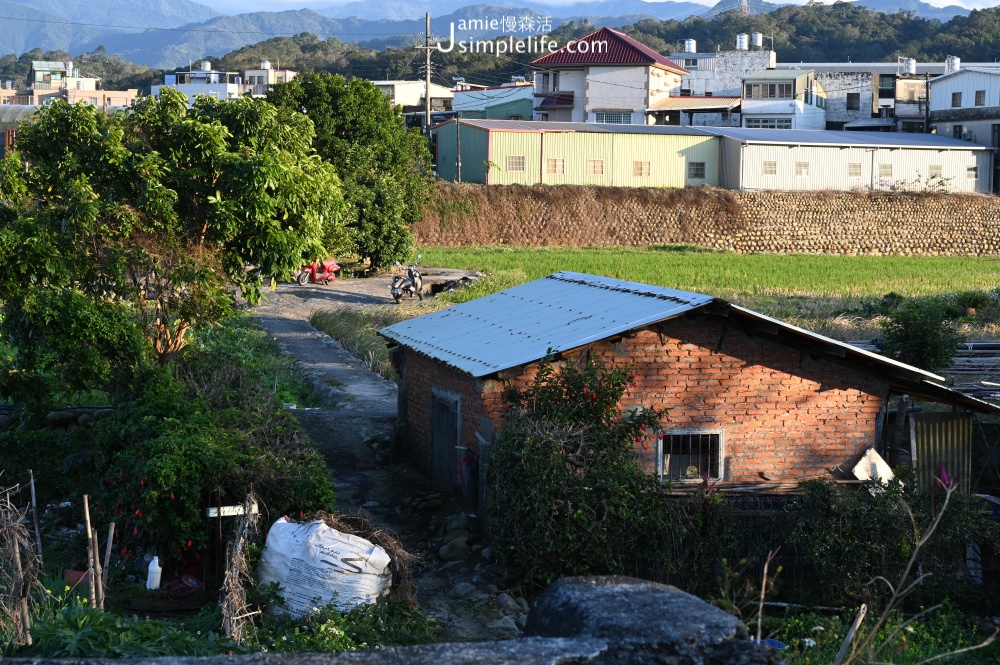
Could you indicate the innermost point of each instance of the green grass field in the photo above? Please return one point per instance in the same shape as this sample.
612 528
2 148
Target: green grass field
831 295
739 276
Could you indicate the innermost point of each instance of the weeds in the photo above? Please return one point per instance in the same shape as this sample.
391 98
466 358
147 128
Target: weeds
357 332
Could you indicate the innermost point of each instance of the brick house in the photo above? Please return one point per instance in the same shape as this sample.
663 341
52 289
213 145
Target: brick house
751 399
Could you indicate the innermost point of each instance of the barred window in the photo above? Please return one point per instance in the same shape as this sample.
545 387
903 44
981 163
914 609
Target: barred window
640 169
770 168
854 170
691 454
515 162
613 117
555 166
595 167
696 170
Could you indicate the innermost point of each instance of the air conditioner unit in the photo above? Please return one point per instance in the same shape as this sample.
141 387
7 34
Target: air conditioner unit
967 136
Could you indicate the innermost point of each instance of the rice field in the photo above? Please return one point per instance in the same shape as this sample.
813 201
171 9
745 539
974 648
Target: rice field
739 276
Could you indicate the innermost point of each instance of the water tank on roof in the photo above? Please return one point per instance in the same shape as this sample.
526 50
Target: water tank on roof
9 84
690 46
757 40
265 64
206 66
742 42
69 66
910 66
952 64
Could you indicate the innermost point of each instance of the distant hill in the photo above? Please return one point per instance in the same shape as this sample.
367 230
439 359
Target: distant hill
125 13
921 9
396 10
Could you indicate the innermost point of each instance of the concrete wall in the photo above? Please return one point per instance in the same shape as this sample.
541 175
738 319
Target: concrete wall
838 85
781 222
783 414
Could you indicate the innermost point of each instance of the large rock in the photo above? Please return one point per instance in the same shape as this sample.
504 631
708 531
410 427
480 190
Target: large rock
645 618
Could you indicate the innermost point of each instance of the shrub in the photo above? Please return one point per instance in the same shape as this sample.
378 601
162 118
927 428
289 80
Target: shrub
568 496
920 333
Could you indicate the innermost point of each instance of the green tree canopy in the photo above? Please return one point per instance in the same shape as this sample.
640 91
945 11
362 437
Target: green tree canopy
385 167
118 233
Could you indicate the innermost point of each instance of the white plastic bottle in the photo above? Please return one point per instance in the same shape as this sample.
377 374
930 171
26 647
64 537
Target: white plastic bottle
153 576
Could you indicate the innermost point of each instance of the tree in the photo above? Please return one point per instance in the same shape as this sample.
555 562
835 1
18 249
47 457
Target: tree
142 224
385 167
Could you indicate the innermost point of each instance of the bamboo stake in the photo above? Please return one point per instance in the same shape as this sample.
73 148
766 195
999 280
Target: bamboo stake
98 576
22 592
90 552
34 517
107 553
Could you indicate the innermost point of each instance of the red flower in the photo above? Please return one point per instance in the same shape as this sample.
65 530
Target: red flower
135 531
138 513
189 543
643 427
171 496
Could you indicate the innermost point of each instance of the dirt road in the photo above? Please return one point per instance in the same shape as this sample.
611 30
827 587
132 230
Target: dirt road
456 584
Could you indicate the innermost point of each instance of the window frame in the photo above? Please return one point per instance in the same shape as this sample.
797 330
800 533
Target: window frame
801 169
771 123
591 171
769 167
885 170
980 99
511 165
854 101
972 172
661 446
931 168
613 117
852 167
693 169
559 162
956 100
641 169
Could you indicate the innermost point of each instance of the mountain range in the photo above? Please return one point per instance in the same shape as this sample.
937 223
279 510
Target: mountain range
187 31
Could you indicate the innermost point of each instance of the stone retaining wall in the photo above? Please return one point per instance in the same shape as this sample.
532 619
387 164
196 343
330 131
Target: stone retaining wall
780 222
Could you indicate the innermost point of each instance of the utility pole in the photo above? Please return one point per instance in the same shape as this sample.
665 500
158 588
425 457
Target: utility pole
427 75
458 149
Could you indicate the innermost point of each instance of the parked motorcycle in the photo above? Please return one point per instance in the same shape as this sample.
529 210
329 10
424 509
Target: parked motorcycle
411 284
319 273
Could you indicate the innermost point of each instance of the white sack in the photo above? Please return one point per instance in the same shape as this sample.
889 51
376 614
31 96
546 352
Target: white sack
315 566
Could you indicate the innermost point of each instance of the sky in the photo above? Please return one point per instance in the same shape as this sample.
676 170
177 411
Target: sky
244 6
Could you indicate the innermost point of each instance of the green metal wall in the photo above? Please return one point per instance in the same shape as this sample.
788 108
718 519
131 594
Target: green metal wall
513 144
518 109
475 150
668 155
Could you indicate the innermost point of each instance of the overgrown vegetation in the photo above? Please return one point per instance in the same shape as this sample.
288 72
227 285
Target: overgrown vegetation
357 331
569 497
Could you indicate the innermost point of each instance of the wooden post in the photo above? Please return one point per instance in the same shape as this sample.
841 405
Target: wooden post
90 552
107 553
34 517
98 577
24 620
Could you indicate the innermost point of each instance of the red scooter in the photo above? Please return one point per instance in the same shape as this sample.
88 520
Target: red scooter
319 273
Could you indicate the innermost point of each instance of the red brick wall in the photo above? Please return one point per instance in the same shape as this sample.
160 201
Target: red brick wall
785 414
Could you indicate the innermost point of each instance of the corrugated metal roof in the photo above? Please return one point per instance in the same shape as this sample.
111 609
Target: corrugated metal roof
776 74
586 127
12 115
831 137
693 103
978 70
872 122
568 310
525 323
40 65
621 50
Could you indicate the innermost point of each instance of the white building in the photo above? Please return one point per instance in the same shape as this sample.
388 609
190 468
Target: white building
604 77
203 81
410 94
775 99
257 81
965 104
819 160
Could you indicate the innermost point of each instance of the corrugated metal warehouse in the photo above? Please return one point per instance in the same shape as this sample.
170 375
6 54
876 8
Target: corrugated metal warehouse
511 152
786 160
507 152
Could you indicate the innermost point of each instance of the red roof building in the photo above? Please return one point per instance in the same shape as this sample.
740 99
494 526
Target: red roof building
605 77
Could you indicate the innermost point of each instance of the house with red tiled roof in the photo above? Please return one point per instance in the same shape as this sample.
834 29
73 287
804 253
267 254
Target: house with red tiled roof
605 77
